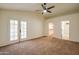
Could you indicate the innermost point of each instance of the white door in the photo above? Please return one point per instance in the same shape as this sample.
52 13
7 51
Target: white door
65 30
13 30
23 30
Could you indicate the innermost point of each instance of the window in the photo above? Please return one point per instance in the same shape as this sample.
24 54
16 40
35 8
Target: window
13 30
23 29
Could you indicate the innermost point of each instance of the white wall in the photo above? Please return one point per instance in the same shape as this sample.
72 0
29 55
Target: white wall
35 24
74 26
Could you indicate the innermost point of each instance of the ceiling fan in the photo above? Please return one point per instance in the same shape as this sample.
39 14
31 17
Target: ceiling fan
46 9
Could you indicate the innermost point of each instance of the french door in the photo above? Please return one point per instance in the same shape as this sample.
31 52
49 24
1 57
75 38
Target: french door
18 30
23 30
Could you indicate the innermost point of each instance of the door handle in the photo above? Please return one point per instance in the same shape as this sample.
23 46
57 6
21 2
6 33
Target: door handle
20 30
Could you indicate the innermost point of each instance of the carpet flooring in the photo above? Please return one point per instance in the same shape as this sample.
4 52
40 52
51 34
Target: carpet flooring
42 46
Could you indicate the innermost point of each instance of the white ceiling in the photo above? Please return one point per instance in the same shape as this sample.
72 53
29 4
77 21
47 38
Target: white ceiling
60 8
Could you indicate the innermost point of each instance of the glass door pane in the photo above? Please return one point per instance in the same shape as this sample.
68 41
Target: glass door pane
13 30
23 30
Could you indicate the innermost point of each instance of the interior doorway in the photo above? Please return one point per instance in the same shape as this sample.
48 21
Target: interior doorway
65 29
51 29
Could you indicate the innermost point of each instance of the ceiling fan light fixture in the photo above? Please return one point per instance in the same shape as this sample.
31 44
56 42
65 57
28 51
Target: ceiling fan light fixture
44 11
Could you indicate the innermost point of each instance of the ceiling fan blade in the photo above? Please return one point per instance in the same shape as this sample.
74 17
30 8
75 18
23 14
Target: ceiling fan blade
43 6
51 7
49 11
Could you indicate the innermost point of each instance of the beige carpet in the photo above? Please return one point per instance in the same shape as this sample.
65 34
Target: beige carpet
42 46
